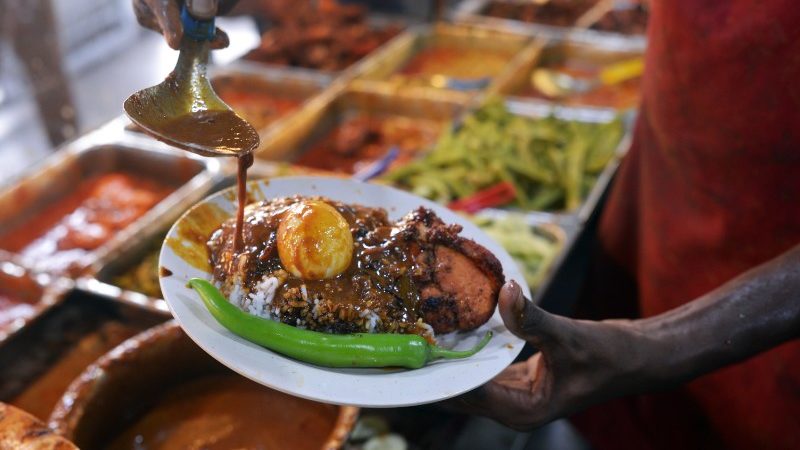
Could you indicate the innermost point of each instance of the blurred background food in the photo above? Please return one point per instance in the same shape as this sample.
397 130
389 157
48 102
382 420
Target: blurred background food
330 37
563 13
626 17
551 163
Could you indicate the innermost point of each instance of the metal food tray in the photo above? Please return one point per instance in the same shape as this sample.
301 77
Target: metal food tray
320 117
387 61
640 39
246 76
472 12
374 21
35 350
122 260
547 227
574 219
602 50
571 220
107 149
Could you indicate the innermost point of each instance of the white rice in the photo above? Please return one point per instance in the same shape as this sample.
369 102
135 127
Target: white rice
237 294
315 309
372 319
428 330
259 300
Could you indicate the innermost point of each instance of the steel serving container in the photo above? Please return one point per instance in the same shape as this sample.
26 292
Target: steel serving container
121 387
476 12
384 64
245 77
556 230
320 118
601 50
108 149
570 219
610 7
38 362
374 21
573 219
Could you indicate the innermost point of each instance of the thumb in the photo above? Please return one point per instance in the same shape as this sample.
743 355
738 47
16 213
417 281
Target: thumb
220 40
525 319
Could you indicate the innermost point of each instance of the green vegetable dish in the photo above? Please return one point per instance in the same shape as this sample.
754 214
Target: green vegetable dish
531 248
142 277
551 163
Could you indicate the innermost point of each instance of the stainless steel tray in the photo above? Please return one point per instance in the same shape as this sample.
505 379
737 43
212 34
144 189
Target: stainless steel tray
601 51
572 219
588 115
557 234
107 149
28 357
106 270
609 7
374 21
474 12
318 119
245 76
386 62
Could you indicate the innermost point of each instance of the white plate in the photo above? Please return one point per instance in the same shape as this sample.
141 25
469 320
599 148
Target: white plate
360 387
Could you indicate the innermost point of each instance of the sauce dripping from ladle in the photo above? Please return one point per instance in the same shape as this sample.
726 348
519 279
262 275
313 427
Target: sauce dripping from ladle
244 162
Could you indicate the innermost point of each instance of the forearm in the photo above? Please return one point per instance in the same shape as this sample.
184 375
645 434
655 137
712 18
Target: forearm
752 313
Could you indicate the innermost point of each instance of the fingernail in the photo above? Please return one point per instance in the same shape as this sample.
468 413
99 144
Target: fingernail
202 9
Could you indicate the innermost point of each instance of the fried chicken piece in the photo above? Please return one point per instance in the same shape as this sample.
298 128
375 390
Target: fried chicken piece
460 279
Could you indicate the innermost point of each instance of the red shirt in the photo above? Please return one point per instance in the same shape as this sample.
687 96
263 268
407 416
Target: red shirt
710 188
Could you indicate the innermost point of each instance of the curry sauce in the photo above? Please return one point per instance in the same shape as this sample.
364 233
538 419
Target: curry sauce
229 412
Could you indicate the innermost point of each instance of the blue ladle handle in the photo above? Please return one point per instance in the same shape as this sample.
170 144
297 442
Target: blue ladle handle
199 30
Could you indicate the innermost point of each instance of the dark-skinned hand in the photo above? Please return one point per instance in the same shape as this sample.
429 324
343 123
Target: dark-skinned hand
579 363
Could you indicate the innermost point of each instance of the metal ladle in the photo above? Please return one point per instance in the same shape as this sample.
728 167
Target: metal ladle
184 111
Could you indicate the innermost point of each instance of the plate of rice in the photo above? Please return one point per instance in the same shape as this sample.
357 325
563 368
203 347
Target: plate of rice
195 247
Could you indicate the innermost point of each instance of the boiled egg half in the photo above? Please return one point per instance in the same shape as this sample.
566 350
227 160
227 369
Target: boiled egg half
314 241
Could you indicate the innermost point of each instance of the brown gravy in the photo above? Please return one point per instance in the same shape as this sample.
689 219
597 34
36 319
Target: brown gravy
223 130
244 162
227 412
378 279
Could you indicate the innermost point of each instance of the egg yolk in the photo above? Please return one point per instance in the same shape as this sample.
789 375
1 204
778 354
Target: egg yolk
314 241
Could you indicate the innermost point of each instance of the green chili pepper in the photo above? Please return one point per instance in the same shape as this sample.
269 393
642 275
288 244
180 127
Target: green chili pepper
325 349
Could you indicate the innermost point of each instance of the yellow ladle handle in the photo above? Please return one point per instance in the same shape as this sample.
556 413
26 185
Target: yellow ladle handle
622 71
